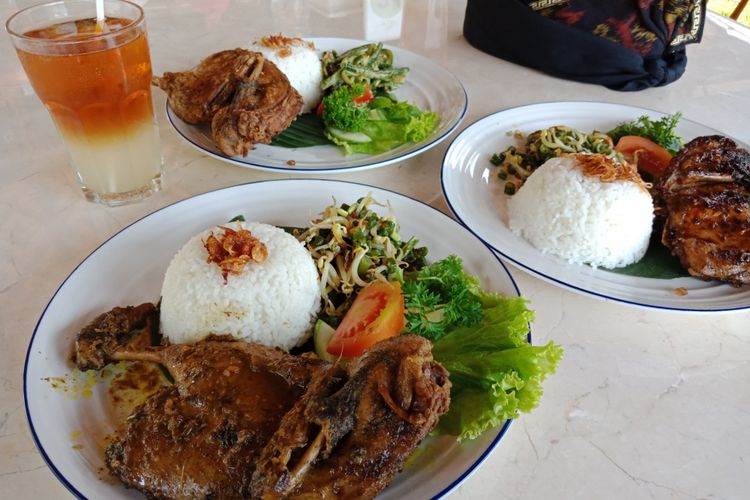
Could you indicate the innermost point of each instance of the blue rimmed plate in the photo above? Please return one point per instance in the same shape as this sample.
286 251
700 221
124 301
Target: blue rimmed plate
128 269
476 198
427 85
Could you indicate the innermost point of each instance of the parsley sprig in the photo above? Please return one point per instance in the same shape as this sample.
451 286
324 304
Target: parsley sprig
661 131
440 296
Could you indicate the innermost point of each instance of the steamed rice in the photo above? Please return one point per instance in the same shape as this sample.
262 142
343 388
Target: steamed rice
584 218
297 59
274 303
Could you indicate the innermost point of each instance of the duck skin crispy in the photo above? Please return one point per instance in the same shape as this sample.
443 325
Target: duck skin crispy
195 95
353 429
201 436
264 105
107 336
245 98
706 193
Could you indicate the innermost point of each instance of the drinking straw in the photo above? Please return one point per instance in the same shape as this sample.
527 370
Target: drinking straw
101 24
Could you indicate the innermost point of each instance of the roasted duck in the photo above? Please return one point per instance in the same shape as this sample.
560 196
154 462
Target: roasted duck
706 196
245 421
245 98
197 94
201 436
354 429
263 106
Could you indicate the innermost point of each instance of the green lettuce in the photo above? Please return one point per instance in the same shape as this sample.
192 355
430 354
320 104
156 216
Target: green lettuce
496 373
390 124
341 109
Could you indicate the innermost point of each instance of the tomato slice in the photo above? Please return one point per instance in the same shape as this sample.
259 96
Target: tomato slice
366 97
649 156
376 314
320 109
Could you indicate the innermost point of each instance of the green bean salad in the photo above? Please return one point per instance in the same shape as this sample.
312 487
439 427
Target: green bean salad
370 65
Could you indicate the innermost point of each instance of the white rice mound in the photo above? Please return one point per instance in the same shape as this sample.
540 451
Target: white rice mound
274 303
297 59
581 218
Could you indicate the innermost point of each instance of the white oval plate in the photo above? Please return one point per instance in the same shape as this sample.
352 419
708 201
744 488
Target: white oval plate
476 197
427 85
128 269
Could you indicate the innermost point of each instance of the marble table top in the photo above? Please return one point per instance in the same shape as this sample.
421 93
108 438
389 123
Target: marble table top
645 404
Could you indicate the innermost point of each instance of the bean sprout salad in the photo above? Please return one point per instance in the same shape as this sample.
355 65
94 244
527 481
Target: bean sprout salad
353 246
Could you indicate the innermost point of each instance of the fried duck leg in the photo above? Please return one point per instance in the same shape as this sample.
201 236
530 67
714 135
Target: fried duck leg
353 429
201 436
246 421
264 105
195 95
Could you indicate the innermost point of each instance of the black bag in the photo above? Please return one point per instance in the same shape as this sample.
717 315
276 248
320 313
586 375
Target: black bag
621 44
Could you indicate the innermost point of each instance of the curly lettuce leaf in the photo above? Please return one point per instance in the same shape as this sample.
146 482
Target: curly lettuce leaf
495 372
481 408
340 109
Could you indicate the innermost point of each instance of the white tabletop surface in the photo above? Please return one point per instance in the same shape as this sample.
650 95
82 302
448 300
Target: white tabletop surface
645 404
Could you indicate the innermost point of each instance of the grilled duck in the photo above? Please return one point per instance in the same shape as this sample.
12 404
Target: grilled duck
706 195
246 421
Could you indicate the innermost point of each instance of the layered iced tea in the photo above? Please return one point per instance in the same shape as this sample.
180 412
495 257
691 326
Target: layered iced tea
95 81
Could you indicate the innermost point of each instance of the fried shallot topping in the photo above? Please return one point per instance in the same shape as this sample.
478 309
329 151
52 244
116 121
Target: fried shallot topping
233 249
282 44
607 169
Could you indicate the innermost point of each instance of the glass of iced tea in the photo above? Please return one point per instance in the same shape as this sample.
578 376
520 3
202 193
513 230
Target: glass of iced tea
95 80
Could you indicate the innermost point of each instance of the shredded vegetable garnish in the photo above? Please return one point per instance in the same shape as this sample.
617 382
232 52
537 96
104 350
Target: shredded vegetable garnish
517 163
353 246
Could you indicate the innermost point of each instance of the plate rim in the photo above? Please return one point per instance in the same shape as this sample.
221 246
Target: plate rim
74 491
323 170
551 279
